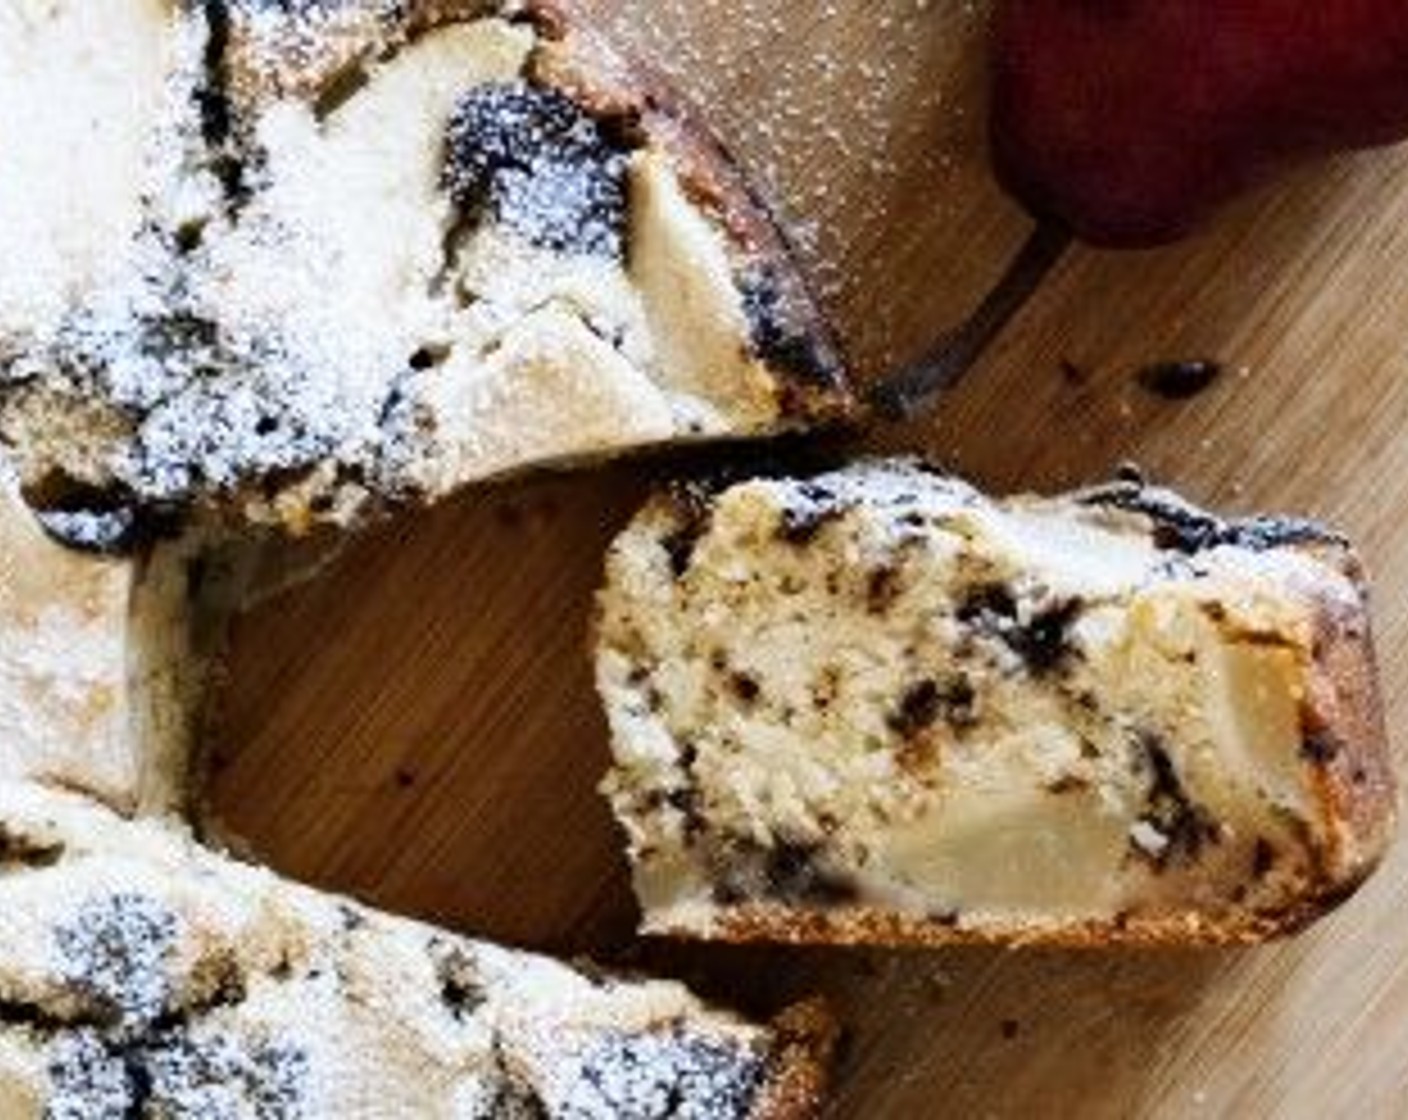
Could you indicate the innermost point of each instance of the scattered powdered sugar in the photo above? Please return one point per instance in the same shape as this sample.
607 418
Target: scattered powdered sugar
112 531
149 1058
176 1073
208 406
299 273
671 1073
844 135
88 1080
215 1075
531 1038
532 160
115 951
157 1059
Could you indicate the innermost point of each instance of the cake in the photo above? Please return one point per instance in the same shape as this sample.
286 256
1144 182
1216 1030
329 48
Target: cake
143 975
301 263
878 706
283 265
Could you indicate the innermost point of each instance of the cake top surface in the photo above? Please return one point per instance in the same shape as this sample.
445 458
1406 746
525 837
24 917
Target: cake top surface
352 255
142 972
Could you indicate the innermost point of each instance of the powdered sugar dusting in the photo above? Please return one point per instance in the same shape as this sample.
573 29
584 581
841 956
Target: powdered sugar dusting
88 1080
142 1054
844 136
153 1012
175 1073
533 161
670 1073
304 327
115 952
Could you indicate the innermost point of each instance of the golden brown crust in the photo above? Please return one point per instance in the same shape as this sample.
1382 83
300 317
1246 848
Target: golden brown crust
774 923
1346 740
800 1063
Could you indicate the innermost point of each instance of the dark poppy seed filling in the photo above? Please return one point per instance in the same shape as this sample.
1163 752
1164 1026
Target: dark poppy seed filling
534 162
175 1072
133 1050
102 520
1043 642
115 953
19 850
780 335
461 989
203 409
218 125
1181 828
788 871
1180 527
669 1074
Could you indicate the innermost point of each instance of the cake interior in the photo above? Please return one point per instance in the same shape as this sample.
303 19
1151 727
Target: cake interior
880 691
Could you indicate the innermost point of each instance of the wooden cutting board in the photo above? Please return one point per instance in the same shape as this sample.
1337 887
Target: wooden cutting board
419 728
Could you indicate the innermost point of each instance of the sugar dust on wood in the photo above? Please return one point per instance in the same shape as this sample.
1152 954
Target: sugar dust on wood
828 133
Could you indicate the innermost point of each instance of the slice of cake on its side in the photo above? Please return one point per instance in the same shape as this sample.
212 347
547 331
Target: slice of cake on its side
356 255
878 706
142 975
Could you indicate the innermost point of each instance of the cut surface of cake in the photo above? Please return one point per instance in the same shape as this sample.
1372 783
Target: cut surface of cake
878 706
297 263
143 975
103 663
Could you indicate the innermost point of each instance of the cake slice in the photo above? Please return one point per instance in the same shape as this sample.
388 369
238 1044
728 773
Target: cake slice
142 975
297 263
877 706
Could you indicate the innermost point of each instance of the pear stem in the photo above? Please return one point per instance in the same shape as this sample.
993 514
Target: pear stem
914 389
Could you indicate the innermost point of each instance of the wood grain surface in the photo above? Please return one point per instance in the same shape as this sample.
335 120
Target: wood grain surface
418 727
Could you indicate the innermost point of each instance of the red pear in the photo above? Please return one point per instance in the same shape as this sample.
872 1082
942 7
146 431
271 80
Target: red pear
1130 121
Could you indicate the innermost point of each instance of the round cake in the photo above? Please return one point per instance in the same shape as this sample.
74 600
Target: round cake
292 263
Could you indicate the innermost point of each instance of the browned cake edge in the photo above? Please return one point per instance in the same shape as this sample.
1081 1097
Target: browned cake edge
1344 734
804 1044
798 344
